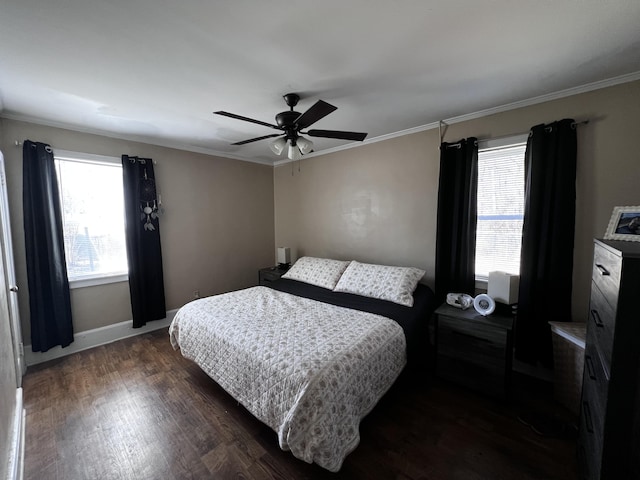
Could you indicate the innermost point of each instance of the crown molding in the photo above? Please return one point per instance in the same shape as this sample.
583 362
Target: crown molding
610 82
131 138
631 77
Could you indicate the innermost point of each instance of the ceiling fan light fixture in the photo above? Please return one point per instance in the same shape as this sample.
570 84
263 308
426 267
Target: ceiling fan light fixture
305 145
277 146
294 152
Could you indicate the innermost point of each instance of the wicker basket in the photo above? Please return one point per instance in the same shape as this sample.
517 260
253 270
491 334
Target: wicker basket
568 356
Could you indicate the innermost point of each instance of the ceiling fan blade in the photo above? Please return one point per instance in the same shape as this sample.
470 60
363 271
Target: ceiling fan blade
246 119
318 110
257 138
337 134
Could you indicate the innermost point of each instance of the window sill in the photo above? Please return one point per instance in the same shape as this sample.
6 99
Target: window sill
92 281
482 283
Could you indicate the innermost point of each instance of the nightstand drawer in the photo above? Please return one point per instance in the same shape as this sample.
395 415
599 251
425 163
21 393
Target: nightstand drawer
473 342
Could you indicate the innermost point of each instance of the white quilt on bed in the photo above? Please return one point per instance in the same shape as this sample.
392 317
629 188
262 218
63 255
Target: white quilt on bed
309 370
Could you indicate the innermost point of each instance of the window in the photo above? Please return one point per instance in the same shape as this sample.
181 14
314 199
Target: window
500 206
93 219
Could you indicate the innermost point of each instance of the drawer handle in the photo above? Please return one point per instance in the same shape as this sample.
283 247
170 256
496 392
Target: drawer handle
587 417
590 370
456 332
603 271
596 318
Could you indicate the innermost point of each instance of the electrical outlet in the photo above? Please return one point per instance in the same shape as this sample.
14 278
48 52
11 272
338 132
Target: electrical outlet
196 294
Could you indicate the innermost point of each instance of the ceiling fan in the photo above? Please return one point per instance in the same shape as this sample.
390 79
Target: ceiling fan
292 123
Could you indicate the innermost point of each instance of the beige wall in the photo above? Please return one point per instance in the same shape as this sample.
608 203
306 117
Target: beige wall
372 203
378 202
217 230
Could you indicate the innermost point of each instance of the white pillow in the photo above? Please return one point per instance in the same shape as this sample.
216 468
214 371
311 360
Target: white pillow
395 284
322 272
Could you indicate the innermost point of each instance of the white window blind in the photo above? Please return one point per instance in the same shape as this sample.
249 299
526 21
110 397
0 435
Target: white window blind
500 209
92 203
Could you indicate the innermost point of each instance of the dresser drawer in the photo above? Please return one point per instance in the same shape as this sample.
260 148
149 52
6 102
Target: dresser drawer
595 386
607 269
589 449
601 324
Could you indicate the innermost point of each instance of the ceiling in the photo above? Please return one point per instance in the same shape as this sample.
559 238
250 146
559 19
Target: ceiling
155 71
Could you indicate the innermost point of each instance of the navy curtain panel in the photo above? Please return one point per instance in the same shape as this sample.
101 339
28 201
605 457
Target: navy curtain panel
142 232
546 262
49 299
457 211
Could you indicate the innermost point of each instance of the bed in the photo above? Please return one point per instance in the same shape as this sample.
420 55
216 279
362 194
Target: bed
308 361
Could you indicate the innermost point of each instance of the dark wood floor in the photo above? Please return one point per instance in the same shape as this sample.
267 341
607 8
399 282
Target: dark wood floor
135 409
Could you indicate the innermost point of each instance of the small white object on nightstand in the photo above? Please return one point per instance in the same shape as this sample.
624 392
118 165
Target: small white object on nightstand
503 287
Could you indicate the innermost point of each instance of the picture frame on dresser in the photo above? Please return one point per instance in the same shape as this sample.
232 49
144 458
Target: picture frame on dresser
624 224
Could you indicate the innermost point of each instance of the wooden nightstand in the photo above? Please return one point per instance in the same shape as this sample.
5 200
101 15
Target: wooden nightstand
474 350
270 274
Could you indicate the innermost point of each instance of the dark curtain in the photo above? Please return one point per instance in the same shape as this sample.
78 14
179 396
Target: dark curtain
546 263
144 254
49 300
457 210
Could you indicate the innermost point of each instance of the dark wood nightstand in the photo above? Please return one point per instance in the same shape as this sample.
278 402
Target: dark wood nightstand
474 350
270 274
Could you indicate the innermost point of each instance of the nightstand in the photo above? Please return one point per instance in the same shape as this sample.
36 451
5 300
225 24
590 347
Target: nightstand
474 350
270 274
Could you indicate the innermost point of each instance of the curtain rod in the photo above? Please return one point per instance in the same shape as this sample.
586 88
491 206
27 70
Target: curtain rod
48 148
458 145
18 143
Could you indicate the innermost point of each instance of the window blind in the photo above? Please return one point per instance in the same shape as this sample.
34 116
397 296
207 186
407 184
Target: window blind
500 209
93 218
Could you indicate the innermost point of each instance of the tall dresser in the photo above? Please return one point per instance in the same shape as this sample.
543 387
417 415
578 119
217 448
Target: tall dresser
609 441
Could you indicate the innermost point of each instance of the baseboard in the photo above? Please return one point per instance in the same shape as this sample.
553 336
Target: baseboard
15 465
97 336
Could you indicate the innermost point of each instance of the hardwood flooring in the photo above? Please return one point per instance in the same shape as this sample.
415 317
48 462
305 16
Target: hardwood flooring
136 409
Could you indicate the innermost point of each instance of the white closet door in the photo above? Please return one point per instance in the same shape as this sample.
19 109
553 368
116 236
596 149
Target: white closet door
11 405
10 286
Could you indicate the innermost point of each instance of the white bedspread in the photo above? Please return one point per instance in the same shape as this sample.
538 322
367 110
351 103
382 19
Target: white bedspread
309 370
